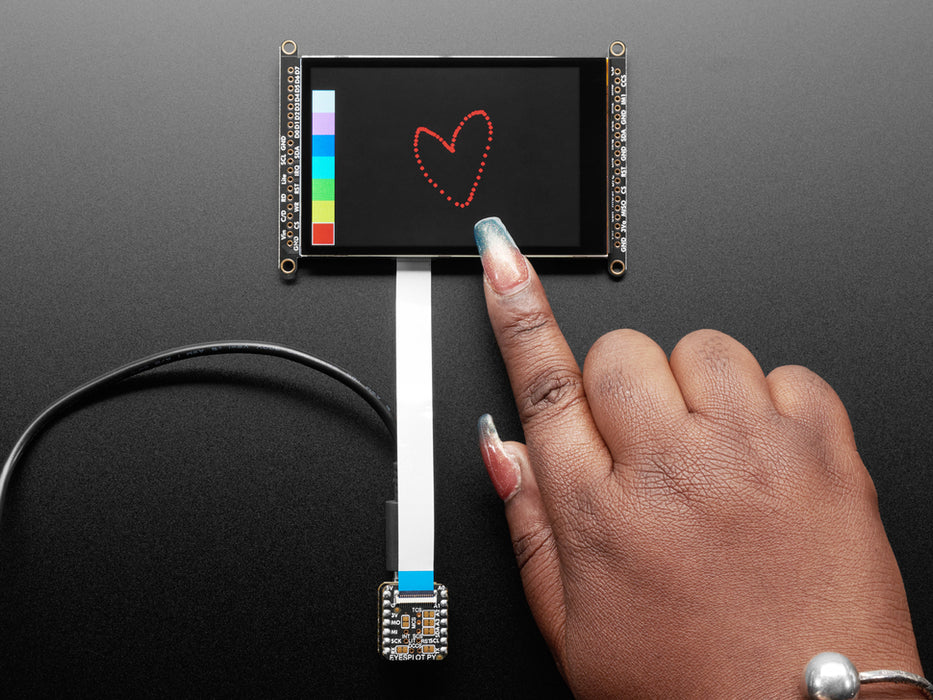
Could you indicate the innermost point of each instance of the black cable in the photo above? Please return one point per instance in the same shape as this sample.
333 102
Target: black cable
186 352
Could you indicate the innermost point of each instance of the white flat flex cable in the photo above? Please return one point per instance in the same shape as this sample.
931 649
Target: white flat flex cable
414 402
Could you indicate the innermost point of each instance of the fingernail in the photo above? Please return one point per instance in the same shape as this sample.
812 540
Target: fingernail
504 471
503 263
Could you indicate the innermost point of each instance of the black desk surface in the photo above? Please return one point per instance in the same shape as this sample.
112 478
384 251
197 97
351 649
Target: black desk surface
217 527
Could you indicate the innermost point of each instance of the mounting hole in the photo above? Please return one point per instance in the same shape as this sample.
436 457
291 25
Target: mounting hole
288 265
617 268
289 47
616 48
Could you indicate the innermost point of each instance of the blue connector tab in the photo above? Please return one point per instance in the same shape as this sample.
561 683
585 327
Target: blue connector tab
415 581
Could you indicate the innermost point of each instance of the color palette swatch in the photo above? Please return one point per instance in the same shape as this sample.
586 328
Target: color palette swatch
323 169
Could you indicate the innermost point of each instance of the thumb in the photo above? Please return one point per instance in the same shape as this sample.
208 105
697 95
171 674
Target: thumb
530 527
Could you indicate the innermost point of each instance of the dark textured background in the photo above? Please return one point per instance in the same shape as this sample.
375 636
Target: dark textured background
216 528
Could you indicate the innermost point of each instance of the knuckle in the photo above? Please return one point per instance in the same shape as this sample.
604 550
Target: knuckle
622 344
529 544
550 392
802 388
709 348
615 339
797 375
519 327
705 340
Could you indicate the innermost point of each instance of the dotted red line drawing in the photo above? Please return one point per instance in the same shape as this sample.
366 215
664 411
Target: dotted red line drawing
452 148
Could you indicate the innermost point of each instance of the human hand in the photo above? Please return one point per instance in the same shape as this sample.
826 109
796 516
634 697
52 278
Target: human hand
687 528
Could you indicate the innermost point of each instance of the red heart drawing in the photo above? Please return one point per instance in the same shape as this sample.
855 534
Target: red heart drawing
452 148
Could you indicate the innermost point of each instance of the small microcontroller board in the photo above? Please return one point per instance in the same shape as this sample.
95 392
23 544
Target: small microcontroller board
412 626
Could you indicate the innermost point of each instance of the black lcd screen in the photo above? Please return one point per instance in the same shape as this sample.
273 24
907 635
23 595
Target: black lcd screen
402 156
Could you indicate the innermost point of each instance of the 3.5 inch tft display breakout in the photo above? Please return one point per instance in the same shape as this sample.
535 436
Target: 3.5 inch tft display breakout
399 157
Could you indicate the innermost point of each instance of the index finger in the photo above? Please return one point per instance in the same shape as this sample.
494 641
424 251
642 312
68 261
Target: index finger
565 447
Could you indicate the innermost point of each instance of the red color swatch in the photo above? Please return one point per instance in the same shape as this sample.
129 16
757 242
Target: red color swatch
322 234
